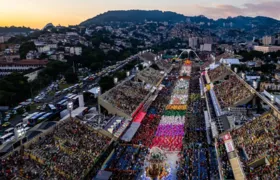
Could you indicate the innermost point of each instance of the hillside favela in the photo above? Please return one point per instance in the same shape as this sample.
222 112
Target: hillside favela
89 93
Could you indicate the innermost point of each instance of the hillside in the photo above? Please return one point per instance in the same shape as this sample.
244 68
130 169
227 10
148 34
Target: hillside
135 16
254 26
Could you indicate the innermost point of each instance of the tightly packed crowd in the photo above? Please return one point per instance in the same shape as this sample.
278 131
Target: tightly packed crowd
256 140
149 125
128 161
218 72
224 160
150 76
231 91
64 154
164 64
198 159
127 96
170 131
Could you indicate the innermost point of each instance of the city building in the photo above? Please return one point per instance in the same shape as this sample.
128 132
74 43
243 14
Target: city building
206 47
266 49
268 40
76 51
4 38
269 86
193 42
59 56
22 65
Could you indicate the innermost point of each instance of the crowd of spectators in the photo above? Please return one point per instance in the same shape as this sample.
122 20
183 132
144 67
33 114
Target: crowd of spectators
147 130
126 96
227 172
127 160
198 158
164 64
170 131
20 165
256 140
231 91
148 56
149 125
219 71
69 152
150 76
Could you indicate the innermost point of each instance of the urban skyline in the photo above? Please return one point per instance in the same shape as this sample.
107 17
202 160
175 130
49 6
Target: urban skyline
33 14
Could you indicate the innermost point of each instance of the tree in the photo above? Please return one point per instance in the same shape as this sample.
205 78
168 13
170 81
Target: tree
120 75
71 77
113 55
43 56
141 67
95 66
25 48
248 56
106 83
14 88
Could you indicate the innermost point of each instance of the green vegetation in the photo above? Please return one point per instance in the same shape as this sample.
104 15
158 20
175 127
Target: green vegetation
135 16
25 48
248 56
266 68
15 29
15 88
97 59
174 43
106 83
63 86
240 67
70 76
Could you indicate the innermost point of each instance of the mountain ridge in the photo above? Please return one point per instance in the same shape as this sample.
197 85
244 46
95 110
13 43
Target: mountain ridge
15 29
142 15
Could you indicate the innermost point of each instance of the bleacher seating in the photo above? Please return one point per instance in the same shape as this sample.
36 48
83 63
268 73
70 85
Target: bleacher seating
127 160
126 96
256 140
68 153
150 76
231 91
218 72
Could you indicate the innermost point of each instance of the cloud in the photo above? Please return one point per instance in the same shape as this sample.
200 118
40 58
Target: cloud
263 8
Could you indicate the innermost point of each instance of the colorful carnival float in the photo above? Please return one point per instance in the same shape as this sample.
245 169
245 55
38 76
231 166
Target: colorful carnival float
158 167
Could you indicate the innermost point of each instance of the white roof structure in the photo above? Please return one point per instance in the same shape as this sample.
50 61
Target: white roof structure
94 91
230 61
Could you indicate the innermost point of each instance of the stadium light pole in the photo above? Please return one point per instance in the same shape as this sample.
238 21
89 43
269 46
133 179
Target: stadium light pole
70 108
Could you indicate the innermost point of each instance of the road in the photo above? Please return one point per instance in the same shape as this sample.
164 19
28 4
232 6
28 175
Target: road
55 99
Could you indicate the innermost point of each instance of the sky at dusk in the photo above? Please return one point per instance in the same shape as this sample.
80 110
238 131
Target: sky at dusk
37 13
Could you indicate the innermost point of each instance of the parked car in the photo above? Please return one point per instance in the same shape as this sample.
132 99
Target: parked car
6 124
24 114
